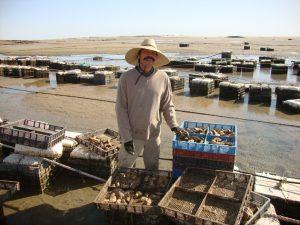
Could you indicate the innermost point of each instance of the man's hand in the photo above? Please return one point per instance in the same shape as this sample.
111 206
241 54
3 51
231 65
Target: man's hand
129 147
176 130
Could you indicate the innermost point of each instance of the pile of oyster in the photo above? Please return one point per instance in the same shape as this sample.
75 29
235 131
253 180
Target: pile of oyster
134 180
151 181
192 139
219 141
196 130
119 196
104 142
128 180
221 132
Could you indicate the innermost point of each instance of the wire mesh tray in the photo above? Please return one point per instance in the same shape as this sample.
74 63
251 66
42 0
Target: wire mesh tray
87 140
230 185
260 204
220 207
193 180
219 211
32 133
134 204
181 204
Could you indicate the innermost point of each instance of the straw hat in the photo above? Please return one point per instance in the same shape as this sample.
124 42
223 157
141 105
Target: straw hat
149 44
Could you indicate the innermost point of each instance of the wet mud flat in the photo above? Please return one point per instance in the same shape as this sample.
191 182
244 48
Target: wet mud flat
261 146
69 200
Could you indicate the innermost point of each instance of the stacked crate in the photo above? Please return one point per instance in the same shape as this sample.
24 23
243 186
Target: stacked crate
96 68
112 68
41 61
287 93
41 72
260 93
202 86
292 105
170 72
193 76
226 55
32 172
230 90
217 77
204 147
296 65
279 69
246 66
206 68
82 158
103 77
226 69
27 72
265 63
177 83
69 76
90 157
182 63
120 72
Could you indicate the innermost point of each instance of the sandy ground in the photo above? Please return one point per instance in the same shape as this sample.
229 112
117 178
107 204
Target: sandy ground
119 45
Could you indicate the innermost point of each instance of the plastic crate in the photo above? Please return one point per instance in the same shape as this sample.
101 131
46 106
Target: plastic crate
207 147
184 162
204 155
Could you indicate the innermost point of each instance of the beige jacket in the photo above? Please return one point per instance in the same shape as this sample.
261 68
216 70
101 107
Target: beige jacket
141 102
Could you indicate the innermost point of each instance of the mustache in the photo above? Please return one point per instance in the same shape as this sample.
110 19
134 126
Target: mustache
149 57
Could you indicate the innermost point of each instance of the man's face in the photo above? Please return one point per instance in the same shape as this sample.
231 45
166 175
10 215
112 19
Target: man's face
147 59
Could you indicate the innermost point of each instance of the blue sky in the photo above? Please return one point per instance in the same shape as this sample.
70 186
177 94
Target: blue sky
38 19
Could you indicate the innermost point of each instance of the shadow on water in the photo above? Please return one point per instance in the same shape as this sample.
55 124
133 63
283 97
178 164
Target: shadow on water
47 214
63 184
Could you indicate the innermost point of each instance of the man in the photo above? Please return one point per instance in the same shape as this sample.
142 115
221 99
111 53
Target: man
144 95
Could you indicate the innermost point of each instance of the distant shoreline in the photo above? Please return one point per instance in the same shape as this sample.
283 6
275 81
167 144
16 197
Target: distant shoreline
288 46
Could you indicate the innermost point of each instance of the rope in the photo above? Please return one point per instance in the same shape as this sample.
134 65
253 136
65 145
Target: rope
177 110
270 178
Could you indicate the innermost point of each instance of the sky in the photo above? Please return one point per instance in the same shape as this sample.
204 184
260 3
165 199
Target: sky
51 19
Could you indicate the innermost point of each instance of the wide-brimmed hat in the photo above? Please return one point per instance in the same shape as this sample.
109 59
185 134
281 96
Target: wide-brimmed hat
149 44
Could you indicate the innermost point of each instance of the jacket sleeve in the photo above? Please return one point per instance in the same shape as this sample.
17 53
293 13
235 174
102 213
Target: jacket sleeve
167 106
122 111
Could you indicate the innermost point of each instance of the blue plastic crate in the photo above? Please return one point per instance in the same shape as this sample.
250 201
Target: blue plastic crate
206 147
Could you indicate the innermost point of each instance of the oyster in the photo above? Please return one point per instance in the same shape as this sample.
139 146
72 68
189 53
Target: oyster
113 198
219 141
221 132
